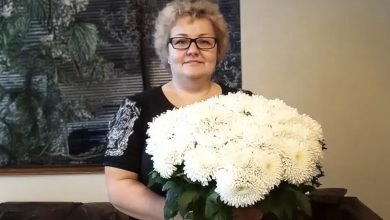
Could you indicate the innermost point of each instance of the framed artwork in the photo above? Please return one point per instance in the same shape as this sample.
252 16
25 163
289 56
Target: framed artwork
65 66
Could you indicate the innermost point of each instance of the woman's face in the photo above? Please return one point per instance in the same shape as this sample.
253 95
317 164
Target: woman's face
192 62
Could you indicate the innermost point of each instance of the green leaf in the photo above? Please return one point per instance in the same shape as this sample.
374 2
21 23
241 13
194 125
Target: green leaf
215 209
185 200
174 191
37 9
83 40
170 210
303 201
284 201
155 178
17 24
170 207
169 185
3 40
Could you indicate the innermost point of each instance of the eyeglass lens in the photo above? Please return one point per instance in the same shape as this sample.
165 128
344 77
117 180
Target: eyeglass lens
201 42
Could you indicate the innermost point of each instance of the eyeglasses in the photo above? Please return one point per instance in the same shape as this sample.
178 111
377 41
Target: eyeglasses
183 43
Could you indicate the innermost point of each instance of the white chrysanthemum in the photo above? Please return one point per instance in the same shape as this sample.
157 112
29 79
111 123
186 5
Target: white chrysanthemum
282 113
239 188
270 165
208 138
210 120
205 140
169 156
303 127
200 165
164 164
315 128
314 147
237 102
302 130
258 136
247 175
162 129
235 154
299 165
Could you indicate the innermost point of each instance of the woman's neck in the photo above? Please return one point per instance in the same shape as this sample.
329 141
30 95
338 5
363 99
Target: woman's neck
181 94
197 86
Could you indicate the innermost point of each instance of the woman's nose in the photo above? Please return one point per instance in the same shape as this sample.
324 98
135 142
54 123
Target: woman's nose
193 49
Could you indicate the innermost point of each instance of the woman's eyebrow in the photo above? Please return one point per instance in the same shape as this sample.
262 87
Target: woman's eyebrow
186 35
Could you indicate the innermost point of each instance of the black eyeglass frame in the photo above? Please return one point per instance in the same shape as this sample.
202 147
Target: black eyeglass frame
192 40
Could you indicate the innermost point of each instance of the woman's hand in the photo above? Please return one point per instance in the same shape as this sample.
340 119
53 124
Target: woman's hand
250 213
132 197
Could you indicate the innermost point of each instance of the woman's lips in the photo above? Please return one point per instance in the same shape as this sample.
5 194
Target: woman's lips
193 61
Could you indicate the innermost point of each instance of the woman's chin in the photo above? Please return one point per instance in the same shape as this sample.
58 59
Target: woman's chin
197 75
196 72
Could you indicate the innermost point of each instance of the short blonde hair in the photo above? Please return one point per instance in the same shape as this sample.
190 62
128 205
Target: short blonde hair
196 9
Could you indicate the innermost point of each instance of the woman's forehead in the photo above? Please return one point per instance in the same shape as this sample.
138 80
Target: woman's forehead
192 26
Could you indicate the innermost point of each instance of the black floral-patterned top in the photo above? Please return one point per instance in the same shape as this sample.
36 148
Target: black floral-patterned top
127 135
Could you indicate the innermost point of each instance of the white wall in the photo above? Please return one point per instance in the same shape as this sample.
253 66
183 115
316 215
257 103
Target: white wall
331 60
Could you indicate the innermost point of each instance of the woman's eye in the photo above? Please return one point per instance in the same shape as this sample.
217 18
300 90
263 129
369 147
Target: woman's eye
180 42
204 42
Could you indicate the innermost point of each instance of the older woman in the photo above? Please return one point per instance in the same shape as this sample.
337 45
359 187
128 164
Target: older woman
190 38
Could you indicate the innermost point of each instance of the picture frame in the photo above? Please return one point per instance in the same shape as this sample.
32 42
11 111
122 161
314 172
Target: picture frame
79 92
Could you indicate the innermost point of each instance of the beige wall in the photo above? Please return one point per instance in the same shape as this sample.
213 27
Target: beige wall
330 59
79 188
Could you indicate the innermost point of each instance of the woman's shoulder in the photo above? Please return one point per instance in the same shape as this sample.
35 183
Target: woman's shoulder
154 92
144 97
140 101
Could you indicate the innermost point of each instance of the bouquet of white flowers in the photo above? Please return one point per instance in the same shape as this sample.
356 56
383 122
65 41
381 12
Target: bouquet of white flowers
235 150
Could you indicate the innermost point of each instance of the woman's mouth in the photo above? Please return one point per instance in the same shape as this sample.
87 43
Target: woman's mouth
192 61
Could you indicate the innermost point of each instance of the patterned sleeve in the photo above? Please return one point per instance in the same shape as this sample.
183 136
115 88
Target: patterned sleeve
121 128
